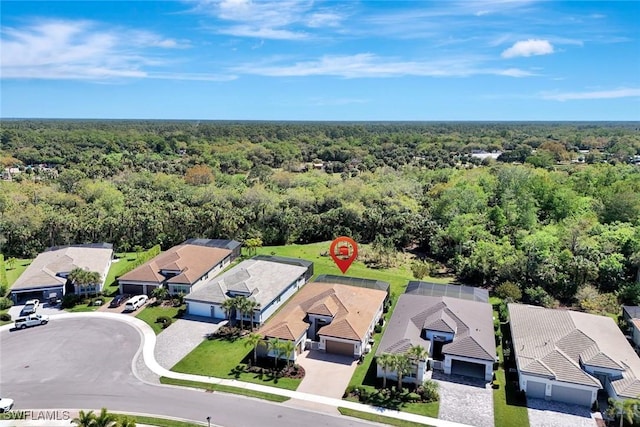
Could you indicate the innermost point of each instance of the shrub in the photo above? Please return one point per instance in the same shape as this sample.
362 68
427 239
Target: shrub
164 320
420 269
413 397
5 317
5 303
71 300
377 328
538 296
429 391
509 291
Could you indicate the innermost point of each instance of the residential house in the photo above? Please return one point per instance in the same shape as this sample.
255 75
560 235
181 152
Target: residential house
332 317
631 314
182 268
567 356
268 281
454 324
46 277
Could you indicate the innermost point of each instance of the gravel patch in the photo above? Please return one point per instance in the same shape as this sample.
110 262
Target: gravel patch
465 400
179 339
556 414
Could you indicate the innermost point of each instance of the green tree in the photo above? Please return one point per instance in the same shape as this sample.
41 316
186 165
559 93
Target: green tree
417 354
275 345
625 410
242 305
288 347
508 291
229 306
401 365
126 422
251 306
83 279
160 293
104 419
386 362
11 263
84 419
253 340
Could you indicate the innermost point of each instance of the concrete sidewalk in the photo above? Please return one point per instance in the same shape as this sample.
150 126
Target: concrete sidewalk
149 343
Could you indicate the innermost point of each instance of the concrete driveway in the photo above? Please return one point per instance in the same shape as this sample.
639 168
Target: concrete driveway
179 339
325 374
465 400
44 309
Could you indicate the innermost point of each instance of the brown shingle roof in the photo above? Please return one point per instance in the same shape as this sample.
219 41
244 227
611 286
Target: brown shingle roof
193 261
354 308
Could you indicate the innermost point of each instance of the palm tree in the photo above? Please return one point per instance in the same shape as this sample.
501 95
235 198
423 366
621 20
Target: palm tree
385 361
288 347
253 340
229 306
84 278
628 409
417 354
401 365
160 293
126 422
105 419
241 306
275 345
251 307
84 419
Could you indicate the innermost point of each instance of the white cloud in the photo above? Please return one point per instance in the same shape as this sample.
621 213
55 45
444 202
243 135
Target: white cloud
529 47
367 65
602 94
85 50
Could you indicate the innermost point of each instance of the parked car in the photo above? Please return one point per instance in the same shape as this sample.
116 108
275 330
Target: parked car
5 404
136 302
118 300
31 320
30 307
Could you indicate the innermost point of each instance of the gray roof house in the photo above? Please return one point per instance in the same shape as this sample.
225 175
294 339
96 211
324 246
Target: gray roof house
46 276
268 281
631 314
567 356
457 333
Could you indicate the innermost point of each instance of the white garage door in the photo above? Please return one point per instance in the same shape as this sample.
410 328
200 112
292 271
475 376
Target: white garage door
199 309
535 389
571 395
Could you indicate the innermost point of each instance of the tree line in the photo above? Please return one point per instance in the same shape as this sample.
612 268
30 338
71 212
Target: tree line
553 230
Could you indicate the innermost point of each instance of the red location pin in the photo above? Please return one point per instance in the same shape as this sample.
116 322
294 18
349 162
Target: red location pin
344 251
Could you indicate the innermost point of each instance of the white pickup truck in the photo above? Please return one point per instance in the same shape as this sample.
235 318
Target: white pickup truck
32 320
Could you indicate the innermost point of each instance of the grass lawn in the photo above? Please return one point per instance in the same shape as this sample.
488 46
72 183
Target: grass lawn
376 418
123 263
150 314
155 421
220 358
15 272
509 409
4 322
397 277
82 308
224 389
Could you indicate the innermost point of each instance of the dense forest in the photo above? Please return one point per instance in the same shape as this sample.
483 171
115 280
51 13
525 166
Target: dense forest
555 217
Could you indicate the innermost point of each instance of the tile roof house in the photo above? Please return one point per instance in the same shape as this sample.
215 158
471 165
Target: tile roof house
567 356
46 277
269 281
337 318
457 331
631 314
182 268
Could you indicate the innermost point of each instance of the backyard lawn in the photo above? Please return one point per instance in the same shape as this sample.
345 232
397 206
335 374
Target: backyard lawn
18 268
123 263
221 358
509 409
150 313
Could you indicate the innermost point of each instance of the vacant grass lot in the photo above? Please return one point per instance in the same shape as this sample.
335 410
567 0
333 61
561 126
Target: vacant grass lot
221 358
150 313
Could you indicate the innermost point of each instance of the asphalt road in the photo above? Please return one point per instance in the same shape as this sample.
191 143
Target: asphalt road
87 363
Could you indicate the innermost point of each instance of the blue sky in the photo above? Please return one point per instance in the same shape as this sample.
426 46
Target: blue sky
321 60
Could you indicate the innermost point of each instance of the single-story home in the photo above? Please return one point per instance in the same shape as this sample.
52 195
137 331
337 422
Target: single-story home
269 281
631 314
46 277
457 333
332 317
182 268
567 356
